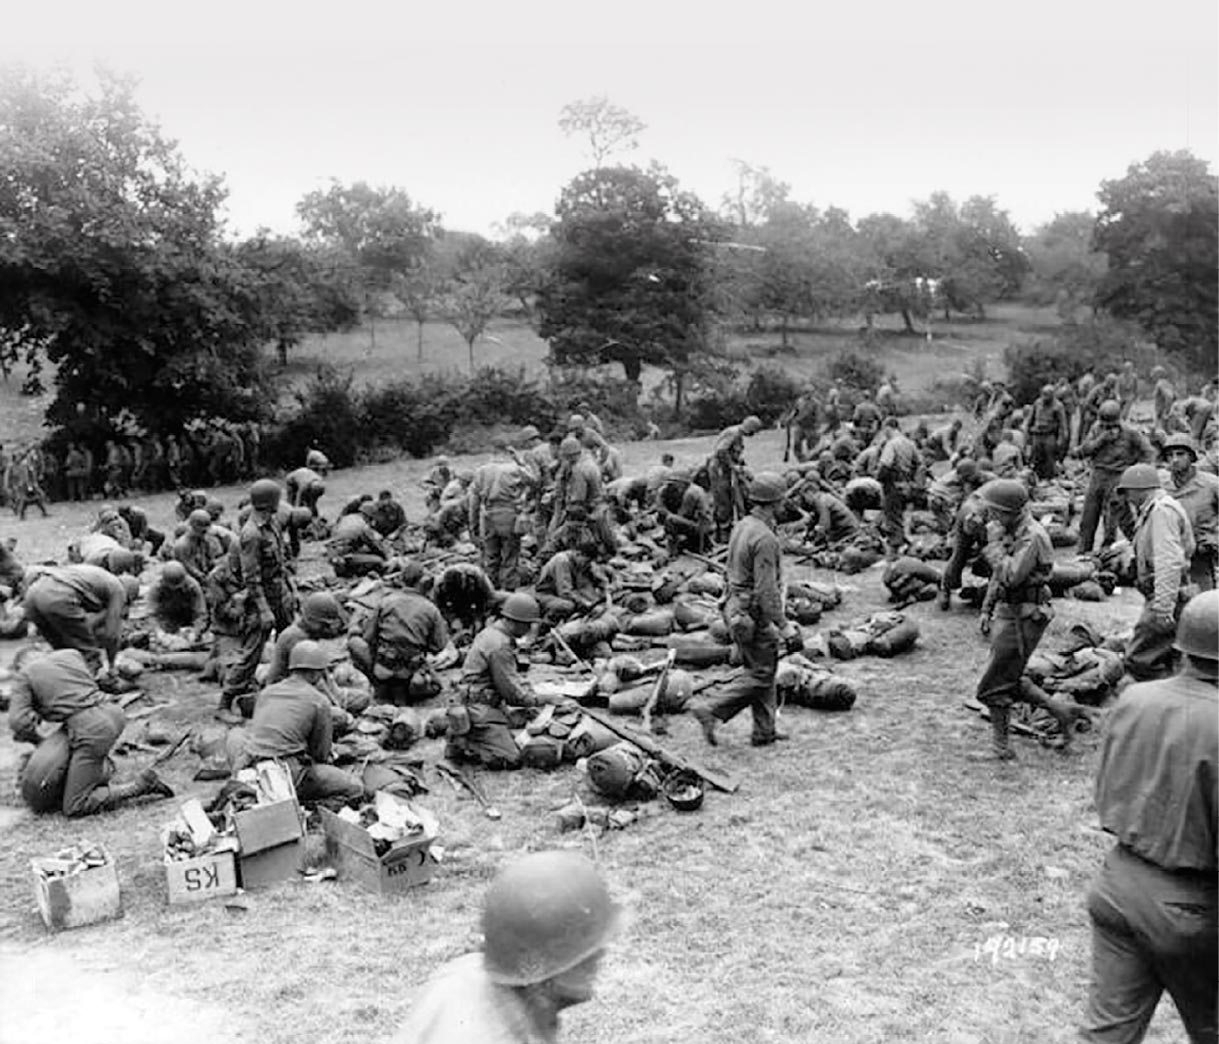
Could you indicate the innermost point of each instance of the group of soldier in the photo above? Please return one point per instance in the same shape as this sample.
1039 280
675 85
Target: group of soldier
206 453
548 517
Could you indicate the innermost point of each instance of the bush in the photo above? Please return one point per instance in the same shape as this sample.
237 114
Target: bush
771 392
855 371
614 399
327 415
412 416
1099 346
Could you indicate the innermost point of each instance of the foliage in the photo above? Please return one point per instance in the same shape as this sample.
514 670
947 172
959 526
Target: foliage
474 294
855 371
111 265
1159 228
629 282
771 391
1064 270
1098 347
608 127
327 414
613 399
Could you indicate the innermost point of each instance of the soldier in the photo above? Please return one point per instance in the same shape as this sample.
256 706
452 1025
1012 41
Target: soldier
1162 397
803 423
1163 546
386 515
1127 388
570 582
398 636
293 724
1197 492
547 920
829 519
1153 902
941 443
270 599
1007 458
320 618
947 493
196 548
479 729
886 396
755 618
24 485
1020 556
305 488
251 443
967 538
1112 447
355 548
177 603
496 499
578 493
867 418
173 462
726 470
687 514
901 472
79 607
1048 433
1093 399
437 478
60 687
76 472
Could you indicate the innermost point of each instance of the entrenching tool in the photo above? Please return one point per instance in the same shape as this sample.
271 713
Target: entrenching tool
562 643
489 810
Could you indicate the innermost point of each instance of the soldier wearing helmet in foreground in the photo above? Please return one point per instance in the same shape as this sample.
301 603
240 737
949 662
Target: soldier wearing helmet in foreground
1197 492
726 470
60 687
755 617
478 727
293 724
1020 557
1163 545
547 920
1153 902
270 600
1112 447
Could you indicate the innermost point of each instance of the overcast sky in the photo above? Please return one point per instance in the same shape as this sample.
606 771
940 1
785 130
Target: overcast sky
866 108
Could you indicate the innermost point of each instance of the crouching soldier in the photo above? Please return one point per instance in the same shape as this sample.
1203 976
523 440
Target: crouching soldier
292 723
569 582
479 731
320 618
60 687
405 627
355 548
177 602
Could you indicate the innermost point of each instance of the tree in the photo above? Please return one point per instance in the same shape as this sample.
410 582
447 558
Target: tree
382 231
111 264
630 280
474 295
609 128
1159 229
419 290
1064 269
525 248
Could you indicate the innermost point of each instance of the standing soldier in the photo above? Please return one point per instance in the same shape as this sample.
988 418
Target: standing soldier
1162 397
901 472
803 423
1163 546
113 486
1197 492
76 471
578 493
1112 447
1127 388
1097 395
727 474
173 462
1153 902
270 599
755 617
496 498
1021 557
24 486
251 441
867 418
1047 432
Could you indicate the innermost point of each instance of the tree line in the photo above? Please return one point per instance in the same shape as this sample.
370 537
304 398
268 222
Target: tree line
119 284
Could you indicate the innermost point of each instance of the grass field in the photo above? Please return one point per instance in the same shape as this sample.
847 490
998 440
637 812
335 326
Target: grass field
847 893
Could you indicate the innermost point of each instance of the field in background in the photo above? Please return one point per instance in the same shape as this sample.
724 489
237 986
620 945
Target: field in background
852 891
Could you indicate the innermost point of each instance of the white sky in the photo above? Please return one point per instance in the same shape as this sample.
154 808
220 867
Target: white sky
867 108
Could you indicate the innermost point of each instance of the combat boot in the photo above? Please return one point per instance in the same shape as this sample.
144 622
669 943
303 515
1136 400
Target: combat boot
707 722
146 783
1000 741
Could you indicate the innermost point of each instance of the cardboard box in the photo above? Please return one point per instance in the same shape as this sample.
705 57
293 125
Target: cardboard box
204 877
271 865
407 863
268 826
74 900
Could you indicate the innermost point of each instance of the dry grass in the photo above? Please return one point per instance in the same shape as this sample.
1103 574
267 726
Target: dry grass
840 895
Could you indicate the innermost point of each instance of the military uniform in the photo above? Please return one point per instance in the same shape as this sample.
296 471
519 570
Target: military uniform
1199 495
60 687
1020 566
832 519
355 548
867 419
754 614
725 471
305 488
688 516
1153 903
496 498
578 500
77 607
563 586
489 683
900 471
1162 399
176 607
1111 455
292 723
405 627
1163 547
1048 434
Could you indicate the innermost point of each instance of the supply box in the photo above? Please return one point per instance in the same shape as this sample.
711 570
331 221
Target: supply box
77 886
387 846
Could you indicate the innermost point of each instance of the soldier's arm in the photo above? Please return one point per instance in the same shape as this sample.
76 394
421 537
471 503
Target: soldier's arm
198 613
1168 558
439 637
110 626
22 718
251 567
322 735
766 582
1142 445
502 664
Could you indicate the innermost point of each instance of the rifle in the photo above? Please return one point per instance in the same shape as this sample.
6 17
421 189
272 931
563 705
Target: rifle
644 742
464 779
710 563
657 691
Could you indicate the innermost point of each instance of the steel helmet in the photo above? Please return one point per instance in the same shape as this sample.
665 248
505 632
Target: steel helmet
1158 371
767 488
1110 410
120 560
570 447
264 495
967 467
214 508
751 425
199 520
307 655
543 915
1179 441
1139 476
173 574
1198 628
1004 495
299 517
322 610
316 459
131 587
521 607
